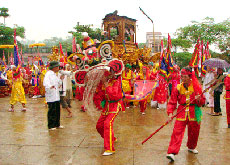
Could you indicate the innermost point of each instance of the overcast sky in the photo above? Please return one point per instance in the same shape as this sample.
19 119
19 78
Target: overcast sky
44 19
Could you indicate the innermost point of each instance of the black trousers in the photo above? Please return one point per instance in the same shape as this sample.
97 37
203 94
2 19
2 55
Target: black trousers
217 108
53 114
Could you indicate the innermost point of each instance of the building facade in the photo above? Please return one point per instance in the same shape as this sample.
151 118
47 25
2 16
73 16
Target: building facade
150 42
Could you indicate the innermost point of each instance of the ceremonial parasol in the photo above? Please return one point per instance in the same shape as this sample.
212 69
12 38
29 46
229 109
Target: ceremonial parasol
7 47
216 63
37 45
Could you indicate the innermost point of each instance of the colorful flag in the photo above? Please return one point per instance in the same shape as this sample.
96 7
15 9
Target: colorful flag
11 59
166 62
17 60
146 15
74 46
195 56
4 59
61 51
142 89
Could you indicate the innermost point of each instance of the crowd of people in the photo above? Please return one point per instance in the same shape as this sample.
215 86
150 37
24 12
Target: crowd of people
183 92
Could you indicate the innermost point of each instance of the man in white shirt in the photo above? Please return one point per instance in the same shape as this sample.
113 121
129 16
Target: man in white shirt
52 84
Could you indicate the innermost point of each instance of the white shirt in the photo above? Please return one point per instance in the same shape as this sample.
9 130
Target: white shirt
50 80
67 84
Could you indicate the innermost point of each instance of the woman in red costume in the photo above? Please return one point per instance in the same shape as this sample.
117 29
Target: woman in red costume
144 75
189 93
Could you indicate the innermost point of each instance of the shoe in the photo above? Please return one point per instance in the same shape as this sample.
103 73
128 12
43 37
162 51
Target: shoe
23 109
215 114
143 113
127 107
107 153
60 127
51 129
171 157
34 97
228 125
193 151
11 110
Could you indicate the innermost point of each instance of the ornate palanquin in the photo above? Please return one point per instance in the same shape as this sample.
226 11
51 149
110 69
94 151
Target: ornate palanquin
125 47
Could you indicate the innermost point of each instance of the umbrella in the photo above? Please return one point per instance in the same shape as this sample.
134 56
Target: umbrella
216 63
7 47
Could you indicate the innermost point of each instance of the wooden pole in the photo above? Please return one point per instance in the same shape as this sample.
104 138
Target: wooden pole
8 56
153 39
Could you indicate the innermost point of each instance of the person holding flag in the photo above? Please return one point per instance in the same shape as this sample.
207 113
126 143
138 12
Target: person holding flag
190 98
17 93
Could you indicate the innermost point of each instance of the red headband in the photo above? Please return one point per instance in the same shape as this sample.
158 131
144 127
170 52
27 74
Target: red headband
185 72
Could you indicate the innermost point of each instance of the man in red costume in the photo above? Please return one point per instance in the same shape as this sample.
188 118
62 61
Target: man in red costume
189 96
227 97
110 92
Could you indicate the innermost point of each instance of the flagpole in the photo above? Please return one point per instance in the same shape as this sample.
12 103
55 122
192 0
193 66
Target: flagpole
153 39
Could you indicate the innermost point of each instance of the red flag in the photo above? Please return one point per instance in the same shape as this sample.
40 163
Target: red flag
74 46
195 54
22 57
11 59
61 51
4 59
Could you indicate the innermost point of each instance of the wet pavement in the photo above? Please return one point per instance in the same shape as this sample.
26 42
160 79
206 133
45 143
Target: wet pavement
25 139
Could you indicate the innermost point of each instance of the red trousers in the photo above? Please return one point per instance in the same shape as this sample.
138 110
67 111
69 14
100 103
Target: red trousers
143 105
126 102
228 106
178 134
105 129
36 91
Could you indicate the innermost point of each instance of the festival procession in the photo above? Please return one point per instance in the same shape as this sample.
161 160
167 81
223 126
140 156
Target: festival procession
110 100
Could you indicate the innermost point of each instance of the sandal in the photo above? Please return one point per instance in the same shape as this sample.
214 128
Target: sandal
11 110
215 114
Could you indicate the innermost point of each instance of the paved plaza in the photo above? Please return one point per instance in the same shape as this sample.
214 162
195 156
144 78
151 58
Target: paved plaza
25 139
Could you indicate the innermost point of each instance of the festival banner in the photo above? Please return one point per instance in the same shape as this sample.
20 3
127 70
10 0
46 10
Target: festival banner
17 60
142 89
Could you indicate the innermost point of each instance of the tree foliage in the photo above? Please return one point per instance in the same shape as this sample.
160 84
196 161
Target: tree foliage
208 30
7 35
4 13
184 44
182 59
93 33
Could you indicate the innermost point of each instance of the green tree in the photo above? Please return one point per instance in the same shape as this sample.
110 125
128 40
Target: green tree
182 59
184 44
141 45
4 13
208 30
7 35
93 33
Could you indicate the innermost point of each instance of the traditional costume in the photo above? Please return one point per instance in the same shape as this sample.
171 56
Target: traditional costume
17 93
191 114
127 77
142 76
111 103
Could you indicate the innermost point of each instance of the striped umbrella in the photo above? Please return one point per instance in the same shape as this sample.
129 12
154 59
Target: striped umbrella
216 63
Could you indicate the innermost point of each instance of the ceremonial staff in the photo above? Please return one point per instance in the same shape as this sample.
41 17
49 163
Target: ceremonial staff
176 114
